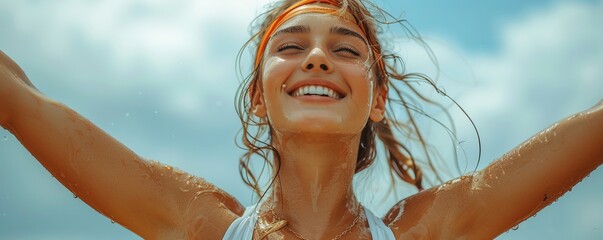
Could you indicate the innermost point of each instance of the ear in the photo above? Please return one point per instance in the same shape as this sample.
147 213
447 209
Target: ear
378 108
258 106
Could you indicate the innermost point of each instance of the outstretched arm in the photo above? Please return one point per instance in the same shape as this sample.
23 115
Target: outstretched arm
534 174
513 188
153 200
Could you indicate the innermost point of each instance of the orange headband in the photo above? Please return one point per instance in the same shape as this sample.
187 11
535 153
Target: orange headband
293 11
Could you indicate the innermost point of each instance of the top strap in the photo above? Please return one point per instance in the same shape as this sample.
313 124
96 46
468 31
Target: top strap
378 229
242 228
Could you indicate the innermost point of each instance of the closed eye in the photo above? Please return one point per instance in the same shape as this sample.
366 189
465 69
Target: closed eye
349 50
287 46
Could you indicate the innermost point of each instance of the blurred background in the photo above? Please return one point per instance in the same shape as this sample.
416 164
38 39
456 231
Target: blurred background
160 77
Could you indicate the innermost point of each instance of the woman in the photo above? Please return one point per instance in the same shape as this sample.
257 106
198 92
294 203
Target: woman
321 87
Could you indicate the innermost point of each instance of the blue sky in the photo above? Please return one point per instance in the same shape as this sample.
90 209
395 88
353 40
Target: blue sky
160 77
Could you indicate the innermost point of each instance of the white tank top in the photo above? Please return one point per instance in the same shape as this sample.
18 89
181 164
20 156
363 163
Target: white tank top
242 227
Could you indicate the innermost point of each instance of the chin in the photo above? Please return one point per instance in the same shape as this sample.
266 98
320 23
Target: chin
329 125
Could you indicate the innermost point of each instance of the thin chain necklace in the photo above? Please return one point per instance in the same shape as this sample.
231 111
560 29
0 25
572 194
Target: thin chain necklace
339 236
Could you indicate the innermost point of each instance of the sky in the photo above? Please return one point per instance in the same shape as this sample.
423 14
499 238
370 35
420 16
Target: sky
160 77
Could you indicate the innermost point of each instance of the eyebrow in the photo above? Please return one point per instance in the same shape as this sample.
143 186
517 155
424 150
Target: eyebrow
304 29
347 32
292 29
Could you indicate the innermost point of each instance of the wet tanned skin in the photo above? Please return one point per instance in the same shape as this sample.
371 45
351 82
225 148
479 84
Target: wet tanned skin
317 139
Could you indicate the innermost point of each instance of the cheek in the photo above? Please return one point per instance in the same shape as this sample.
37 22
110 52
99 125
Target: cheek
272 67
275 72
361 82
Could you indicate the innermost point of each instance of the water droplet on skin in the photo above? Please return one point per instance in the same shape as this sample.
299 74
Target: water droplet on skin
575 116
112 221
515 228
74 196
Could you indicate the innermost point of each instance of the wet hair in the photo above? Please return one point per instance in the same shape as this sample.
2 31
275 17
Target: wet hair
389 70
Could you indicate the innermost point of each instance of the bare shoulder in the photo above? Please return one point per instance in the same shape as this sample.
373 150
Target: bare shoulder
205 210
436 213
412 217
209 216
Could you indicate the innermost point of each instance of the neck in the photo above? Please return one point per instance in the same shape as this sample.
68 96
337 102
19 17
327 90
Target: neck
313 190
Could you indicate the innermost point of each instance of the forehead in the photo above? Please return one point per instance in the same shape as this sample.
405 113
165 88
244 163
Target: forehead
313 19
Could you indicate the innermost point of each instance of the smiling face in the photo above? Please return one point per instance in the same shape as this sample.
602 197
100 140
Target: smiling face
317 78
313 52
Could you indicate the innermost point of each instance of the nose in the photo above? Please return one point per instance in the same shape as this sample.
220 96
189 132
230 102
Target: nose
317 61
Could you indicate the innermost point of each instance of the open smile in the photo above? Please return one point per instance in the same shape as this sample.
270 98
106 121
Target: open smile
316 90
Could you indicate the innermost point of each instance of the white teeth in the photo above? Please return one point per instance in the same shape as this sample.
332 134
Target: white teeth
322 91
316 90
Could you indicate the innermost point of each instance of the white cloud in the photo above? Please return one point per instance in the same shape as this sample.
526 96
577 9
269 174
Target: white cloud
548 67
174 50
161 31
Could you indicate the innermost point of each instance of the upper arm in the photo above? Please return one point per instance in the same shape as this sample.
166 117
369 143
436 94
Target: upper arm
194 206
146 197
519 184
529 177
176 203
